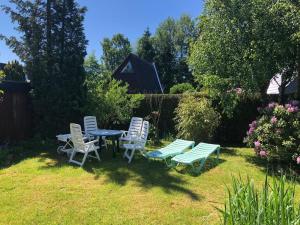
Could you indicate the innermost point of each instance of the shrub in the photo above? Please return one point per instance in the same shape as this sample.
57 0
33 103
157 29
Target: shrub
276 133
196 119
274 204
14 71
107 99
181 88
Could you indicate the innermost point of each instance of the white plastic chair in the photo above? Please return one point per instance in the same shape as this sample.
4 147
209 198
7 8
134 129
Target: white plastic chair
80 146
138 144
90 125
133 131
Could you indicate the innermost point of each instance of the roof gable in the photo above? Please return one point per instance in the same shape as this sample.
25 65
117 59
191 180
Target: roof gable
140 75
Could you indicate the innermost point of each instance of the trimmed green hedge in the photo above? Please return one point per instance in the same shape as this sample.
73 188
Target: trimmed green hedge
166 104
231 131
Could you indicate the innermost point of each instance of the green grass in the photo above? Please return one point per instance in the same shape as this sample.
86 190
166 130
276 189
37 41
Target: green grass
39 187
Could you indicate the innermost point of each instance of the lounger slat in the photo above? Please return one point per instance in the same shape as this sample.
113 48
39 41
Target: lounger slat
198 154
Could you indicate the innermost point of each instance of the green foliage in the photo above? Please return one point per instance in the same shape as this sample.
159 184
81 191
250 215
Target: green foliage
2 75
159 110
107 99
145 48
224 93
196 118
276 133
52 46
274 204
171 43
246 42
14 71
115 50
181 88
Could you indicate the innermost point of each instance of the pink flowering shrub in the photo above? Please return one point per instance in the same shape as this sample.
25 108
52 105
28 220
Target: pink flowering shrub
276 133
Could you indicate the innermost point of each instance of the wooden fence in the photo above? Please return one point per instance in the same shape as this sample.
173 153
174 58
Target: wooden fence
15 111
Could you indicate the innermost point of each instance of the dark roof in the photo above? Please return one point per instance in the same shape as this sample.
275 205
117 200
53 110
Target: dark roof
15 86
2 66
142 79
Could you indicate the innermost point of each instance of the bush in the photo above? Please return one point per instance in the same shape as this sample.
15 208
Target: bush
181 88
196 119
275 204
165 105
275 135
14 71
110 103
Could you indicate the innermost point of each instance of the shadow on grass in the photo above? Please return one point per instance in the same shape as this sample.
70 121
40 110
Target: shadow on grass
209 164
145 174
229 151
275 169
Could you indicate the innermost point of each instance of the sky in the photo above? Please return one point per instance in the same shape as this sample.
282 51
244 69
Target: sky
105 18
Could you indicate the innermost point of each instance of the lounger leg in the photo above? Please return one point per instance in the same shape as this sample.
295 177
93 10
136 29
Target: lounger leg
198 169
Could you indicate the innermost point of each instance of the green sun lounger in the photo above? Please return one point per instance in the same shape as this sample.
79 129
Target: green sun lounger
176 147
198 154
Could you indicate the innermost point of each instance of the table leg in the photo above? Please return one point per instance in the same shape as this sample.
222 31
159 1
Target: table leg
114 147
118 144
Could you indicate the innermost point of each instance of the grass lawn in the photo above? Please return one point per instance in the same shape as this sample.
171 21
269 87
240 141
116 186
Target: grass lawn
40 187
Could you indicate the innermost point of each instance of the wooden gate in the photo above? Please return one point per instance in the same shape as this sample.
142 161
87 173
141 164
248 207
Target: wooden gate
15 111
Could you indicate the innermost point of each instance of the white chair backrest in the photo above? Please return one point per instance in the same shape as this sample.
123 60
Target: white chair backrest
144 133
76 136
90 124
135 126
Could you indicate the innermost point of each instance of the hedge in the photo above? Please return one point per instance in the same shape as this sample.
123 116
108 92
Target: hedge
231 131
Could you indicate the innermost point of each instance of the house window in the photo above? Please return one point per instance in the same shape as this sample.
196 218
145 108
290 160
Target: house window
128 68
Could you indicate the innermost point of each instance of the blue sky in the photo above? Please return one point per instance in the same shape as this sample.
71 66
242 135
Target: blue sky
104 18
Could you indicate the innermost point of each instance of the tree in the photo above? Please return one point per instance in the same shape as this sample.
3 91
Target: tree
165 59
52 46
171 43
145 48
14 71
246 42
115 50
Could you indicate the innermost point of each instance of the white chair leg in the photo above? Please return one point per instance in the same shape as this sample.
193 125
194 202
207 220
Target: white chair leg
131 155
84 158
72 156
125 153
97 155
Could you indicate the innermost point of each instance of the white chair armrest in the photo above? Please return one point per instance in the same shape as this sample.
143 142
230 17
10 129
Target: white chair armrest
92 142
124 133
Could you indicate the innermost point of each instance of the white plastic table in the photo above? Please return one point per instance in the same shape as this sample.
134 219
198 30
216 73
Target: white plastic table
114 135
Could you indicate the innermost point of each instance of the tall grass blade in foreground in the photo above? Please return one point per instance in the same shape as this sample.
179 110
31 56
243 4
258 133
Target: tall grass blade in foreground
274 204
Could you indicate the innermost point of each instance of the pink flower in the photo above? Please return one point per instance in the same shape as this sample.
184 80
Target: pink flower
257 144
239 91
288 106
273 120
251 130
291 109
263 153
272 105
298 160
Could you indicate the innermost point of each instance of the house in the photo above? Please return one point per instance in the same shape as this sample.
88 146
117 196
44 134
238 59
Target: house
141 76
275 84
